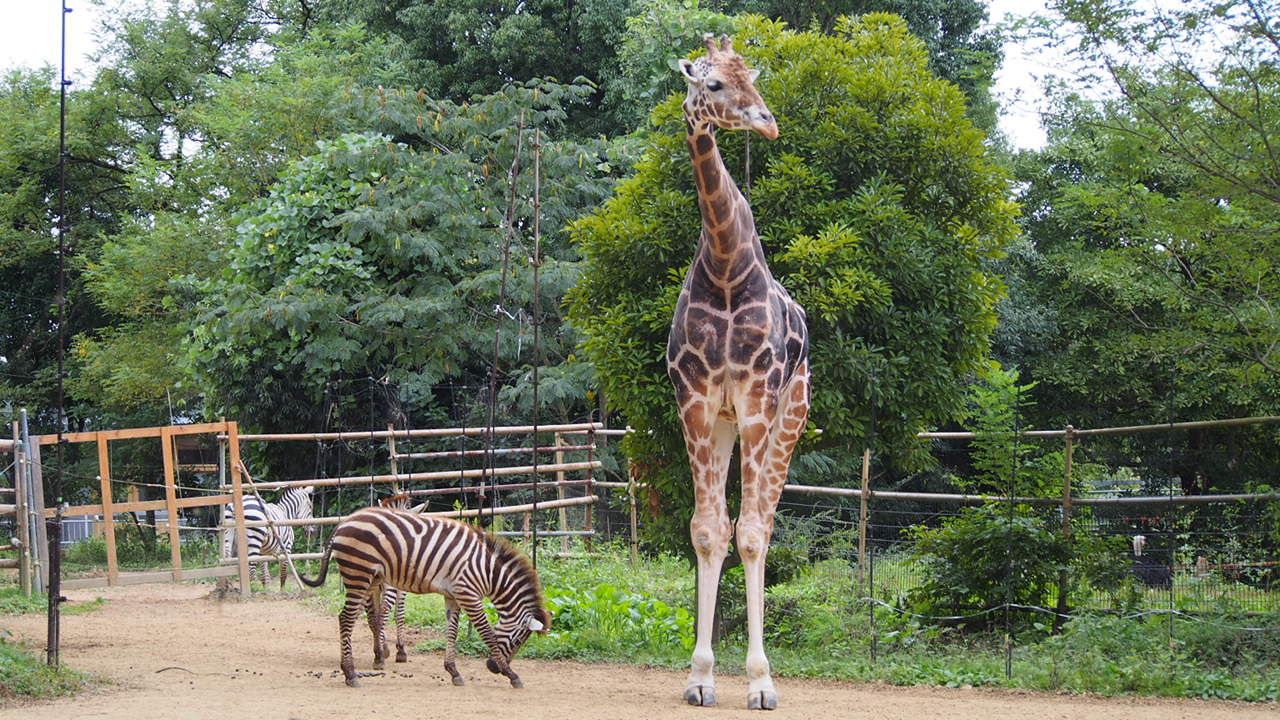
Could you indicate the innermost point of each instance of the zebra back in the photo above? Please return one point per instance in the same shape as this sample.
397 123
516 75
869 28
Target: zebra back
422 554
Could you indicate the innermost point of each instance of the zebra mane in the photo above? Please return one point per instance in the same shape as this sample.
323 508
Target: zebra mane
505 552
399 500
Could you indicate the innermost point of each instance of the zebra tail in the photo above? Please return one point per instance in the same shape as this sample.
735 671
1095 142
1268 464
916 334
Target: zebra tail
324 569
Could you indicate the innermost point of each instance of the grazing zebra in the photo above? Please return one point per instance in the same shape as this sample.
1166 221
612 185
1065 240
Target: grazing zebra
295 503
380 547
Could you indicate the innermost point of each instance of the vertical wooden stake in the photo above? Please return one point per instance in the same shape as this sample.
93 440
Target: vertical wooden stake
631 493
171 500
237 502
562 512
108 515
22 517
391 453
863 501
1063 580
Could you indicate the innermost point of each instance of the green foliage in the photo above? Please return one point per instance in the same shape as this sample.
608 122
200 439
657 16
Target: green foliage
134 550
380 259
1153 220
877 207
609 623
1114 655
14 602
23 674
984 558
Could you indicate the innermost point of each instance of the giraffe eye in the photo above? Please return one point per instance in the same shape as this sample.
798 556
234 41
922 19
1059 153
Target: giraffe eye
714 85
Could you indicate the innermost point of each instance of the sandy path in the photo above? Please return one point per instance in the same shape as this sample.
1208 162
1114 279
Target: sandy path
277 658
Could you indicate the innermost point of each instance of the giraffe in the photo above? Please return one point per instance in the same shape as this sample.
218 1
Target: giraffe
738 358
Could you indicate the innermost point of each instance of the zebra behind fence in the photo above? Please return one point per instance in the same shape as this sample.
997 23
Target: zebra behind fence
380 547
294 503
392 597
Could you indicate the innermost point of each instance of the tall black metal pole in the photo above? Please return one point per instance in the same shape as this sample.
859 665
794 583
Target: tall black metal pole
55 528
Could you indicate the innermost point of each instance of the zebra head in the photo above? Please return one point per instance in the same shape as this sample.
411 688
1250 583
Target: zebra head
297 504
514 629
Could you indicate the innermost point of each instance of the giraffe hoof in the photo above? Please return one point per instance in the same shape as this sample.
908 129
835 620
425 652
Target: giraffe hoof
762 700
702 695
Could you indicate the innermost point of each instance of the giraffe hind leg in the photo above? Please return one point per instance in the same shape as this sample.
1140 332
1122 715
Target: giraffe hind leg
762 485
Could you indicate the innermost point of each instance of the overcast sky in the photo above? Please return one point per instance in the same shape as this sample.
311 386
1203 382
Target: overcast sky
31 32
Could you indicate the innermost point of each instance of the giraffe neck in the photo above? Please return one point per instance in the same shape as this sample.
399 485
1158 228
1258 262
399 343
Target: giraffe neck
728 227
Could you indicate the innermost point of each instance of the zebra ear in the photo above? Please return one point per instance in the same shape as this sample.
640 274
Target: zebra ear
418 508
534 625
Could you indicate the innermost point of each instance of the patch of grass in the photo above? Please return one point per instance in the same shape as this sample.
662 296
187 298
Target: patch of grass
24 674
817 625
13 602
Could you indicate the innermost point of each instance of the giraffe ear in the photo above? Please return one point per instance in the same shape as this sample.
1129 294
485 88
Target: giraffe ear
686 69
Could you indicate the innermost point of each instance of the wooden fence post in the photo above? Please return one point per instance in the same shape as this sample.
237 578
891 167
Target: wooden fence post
237 502
1063 579
108 515
171 500
563 512
863 501
22 517
631 493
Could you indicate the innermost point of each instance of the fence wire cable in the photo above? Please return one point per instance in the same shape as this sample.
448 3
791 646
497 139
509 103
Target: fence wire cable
1068 616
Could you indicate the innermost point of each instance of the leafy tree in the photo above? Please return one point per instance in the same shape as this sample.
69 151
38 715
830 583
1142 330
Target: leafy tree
239 128
29 204
876 207
371 272
1153 221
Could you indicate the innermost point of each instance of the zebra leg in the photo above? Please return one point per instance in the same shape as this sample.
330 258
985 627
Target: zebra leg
451 640
377 625
496 662
401 655
346 620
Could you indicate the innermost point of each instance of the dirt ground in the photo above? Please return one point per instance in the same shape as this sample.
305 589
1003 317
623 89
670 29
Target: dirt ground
171 651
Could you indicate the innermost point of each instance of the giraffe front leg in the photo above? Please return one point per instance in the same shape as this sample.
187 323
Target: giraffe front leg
709 529
753 545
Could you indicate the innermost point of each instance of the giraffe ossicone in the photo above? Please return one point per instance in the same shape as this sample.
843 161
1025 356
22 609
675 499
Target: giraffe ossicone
737 355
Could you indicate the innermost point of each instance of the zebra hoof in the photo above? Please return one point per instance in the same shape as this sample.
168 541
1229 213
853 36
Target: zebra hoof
493 666
762 700
701 695
353 682
402 656
457 680
517 682
379 664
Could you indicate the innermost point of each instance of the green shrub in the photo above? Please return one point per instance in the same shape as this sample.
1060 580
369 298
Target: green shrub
984 557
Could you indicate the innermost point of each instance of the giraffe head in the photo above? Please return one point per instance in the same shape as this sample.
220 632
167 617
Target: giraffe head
722 91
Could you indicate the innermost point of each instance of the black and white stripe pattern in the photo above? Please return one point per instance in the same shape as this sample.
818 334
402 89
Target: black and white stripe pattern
294 503
380 547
